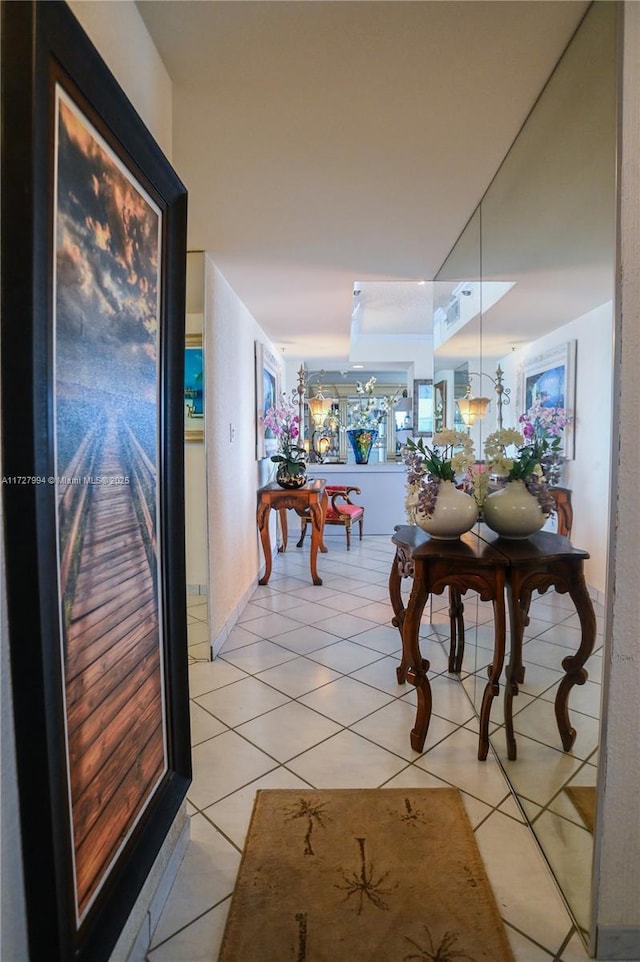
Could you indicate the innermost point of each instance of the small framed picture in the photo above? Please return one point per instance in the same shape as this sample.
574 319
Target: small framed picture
193 388
267 392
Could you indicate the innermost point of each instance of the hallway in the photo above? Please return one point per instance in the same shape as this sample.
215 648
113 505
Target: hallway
305 695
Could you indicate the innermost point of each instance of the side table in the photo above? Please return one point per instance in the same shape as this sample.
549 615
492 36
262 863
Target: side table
312 498
542 561
466 563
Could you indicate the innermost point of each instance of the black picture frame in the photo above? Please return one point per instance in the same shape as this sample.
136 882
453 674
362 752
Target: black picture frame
44 48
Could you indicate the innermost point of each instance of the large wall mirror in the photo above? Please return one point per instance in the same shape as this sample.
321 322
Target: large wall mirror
530 283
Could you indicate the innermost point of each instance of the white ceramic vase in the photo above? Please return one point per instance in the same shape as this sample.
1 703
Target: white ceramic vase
455 512
513 512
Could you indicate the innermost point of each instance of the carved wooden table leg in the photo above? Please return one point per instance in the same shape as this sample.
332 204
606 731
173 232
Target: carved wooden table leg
515 671
576 674
402 567
495 668
395 597
417 667
317 518
263 527
324 502
456 623
282 513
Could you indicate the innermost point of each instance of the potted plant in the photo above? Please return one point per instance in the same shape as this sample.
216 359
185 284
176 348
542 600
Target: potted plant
283 420
522 503
433 501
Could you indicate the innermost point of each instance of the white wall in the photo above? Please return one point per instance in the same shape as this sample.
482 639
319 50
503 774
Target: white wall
122 39
588 475
233 474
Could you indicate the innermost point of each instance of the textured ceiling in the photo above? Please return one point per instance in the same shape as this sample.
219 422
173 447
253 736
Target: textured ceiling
325 143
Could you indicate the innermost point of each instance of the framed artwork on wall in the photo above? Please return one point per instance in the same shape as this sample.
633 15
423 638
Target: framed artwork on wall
93 358
267 393
550 380
423 408
193 388
439 406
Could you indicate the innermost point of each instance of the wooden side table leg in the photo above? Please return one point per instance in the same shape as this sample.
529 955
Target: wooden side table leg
282 513
456 623
576 673
315 511
395 597
263 528
417 666
324 503
495 668
515 671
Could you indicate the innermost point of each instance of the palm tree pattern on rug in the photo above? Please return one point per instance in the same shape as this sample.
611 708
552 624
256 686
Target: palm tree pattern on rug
444 952
314 812
364 884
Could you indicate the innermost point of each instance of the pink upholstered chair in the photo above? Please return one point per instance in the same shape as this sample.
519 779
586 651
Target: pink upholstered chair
340 510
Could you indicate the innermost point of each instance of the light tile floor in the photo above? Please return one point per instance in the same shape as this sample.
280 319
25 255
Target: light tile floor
304 695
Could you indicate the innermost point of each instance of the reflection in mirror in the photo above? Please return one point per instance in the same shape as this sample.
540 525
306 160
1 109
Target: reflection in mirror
543 313
423 408
196 546
325 437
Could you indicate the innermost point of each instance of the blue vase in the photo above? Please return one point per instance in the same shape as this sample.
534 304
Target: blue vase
362 440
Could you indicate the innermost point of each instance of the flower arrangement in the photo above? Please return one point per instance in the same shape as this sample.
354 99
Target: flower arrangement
451 455
544 426
368 411
495 448
525 465
283 420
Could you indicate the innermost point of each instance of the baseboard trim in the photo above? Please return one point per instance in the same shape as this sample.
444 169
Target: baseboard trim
217 643
618 943
135 938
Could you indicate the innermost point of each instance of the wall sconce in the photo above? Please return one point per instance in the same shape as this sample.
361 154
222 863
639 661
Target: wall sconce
471 408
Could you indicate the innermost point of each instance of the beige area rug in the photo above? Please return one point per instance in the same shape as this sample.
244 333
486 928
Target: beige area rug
375 875
584 799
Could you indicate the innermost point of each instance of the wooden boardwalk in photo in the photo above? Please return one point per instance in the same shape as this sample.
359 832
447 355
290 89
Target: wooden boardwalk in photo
112 674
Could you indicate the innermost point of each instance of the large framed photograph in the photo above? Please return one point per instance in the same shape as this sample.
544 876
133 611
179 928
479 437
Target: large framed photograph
94 241
193 388
550 379
267 393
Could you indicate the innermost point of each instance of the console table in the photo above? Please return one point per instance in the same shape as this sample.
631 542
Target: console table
310 498
486 563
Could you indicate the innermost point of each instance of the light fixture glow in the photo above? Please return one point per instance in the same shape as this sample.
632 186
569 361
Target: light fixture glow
472 408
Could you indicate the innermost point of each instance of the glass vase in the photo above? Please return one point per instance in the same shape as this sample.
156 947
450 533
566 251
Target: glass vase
361 441
287 479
